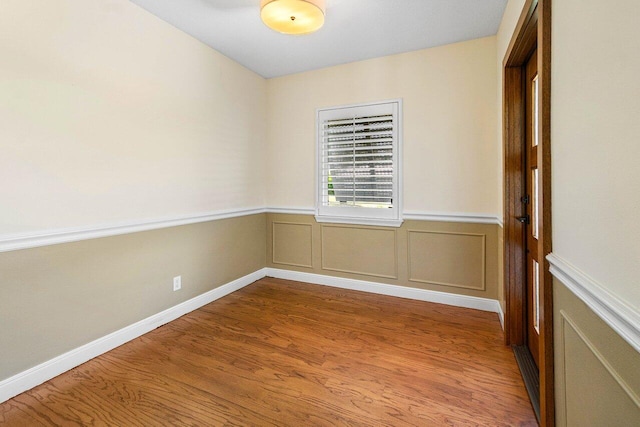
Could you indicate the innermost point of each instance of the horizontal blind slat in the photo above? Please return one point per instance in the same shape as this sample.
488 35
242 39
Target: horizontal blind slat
359 120
356 135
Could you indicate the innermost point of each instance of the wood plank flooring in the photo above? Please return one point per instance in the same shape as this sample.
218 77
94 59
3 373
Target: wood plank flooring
282 353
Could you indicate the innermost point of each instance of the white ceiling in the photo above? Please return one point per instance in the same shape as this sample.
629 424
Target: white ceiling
354 29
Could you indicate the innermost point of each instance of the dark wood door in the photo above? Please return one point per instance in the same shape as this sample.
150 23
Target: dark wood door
529 296
531 200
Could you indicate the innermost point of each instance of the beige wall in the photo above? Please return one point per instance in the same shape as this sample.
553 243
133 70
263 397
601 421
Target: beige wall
595 132
450 152
597 373
56 298
448 257
108 114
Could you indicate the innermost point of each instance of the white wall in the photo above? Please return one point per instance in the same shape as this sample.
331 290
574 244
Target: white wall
595 134
109 114
451 158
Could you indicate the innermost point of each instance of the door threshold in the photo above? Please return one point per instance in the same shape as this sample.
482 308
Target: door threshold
530 375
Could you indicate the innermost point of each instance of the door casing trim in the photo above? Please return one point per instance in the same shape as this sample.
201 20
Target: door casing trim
533 30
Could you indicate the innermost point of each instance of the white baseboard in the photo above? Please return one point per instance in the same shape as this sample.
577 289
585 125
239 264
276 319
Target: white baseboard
30 378
483 304
501 315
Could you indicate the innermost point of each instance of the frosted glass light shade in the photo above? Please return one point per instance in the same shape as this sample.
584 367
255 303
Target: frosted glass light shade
293 16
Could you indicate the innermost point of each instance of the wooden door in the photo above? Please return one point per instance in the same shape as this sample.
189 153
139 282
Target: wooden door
532 206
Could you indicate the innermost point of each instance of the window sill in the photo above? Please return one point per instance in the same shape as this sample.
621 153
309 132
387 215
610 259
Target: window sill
359 221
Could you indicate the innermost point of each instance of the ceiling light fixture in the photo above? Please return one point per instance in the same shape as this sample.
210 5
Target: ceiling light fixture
293 16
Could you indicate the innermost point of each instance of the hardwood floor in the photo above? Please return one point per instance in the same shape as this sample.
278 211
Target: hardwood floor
281 353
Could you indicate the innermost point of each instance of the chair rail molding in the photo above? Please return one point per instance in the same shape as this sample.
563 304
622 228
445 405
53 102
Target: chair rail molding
621 317
68 235
476 218
13 242
291 210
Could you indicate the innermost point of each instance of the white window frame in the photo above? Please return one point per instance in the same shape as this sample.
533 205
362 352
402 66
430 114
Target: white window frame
391 217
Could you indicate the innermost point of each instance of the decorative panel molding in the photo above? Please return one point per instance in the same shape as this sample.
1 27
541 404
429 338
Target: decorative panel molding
447 258
594 393
292 244
360 250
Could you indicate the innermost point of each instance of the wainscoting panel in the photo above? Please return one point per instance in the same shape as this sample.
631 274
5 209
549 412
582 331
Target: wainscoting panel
447 258
620 402
441 256
360 250
292 244
64 296
597 375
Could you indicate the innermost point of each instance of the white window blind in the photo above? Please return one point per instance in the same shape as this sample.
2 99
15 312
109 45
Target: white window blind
358 162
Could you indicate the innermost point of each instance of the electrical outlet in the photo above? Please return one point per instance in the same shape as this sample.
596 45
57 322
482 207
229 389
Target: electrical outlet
177 283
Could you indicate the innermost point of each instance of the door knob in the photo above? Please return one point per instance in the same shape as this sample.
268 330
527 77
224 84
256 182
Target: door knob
523 219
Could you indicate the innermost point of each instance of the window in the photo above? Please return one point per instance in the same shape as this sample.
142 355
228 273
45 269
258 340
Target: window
358 164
